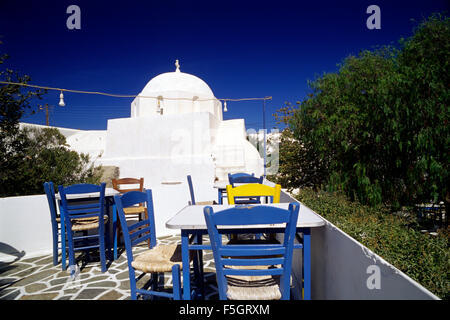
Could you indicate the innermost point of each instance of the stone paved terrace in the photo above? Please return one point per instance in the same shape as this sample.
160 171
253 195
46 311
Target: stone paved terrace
37 279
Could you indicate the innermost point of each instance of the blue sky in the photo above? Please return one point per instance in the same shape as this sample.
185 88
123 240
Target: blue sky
241 49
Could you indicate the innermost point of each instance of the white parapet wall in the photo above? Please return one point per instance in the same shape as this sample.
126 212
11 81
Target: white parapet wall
25 227
342 268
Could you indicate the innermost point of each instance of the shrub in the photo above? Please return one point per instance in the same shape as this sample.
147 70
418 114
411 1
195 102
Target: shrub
422 257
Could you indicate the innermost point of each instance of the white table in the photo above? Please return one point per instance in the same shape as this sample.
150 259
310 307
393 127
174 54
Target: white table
109 192
221 187
191 221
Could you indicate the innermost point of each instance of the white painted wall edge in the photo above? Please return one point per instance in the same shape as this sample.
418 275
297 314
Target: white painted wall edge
339 269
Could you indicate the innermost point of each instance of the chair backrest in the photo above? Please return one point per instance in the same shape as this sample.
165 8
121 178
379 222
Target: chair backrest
142 230
118 183
76 210
191 189
50 192
253 190
277 258
240 174
244 178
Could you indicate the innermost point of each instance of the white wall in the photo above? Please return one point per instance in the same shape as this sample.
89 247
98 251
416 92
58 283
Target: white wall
25 221
67 132
339 269
25 226
233 152
159 136
91 142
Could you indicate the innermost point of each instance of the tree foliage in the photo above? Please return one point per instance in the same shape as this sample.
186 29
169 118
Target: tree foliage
48 158
380 124
299 164
29 157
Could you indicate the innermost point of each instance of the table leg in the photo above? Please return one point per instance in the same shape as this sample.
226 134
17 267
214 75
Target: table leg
107 234
63 238
114 227
307 263
219 195
201 276
185 262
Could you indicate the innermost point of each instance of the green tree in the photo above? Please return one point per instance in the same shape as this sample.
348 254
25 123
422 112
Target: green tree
380 124
48 158
299 165
424 65
14 103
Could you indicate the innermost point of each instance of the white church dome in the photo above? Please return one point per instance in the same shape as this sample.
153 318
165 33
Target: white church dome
185 83
175 93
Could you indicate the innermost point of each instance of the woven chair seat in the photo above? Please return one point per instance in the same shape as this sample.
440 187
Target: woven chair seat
134 210
81 219
158 259
253 287
205 203
81 224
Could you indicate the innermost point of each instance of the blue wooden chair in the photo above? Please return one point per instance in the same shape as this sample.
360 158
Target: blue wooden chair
257 270
58 230
191 191
158 259
85 217
242 178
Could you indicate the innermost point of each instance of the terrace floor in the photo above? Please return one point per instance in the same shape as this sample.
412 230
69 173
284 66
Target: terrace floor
38 279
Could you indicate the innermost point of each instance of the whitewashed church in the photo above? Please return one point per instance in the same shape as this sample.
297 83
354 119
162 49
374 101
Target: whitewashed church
176 129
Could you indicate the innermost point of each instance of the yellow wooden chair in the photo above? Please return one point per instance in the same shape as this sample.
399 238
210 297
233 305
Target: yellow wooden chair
253 190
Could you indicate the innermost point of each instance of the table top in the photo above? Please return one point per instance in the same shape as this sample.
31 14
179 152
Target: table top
191 217
221 184
109 192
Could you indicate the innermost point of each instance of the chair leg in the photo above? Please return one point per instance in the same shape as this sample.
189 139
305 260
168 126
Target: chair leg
108 242
101 235
176 282
154 281
55 244
145 218
115 230
85 241
132 276
70 244
63 241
